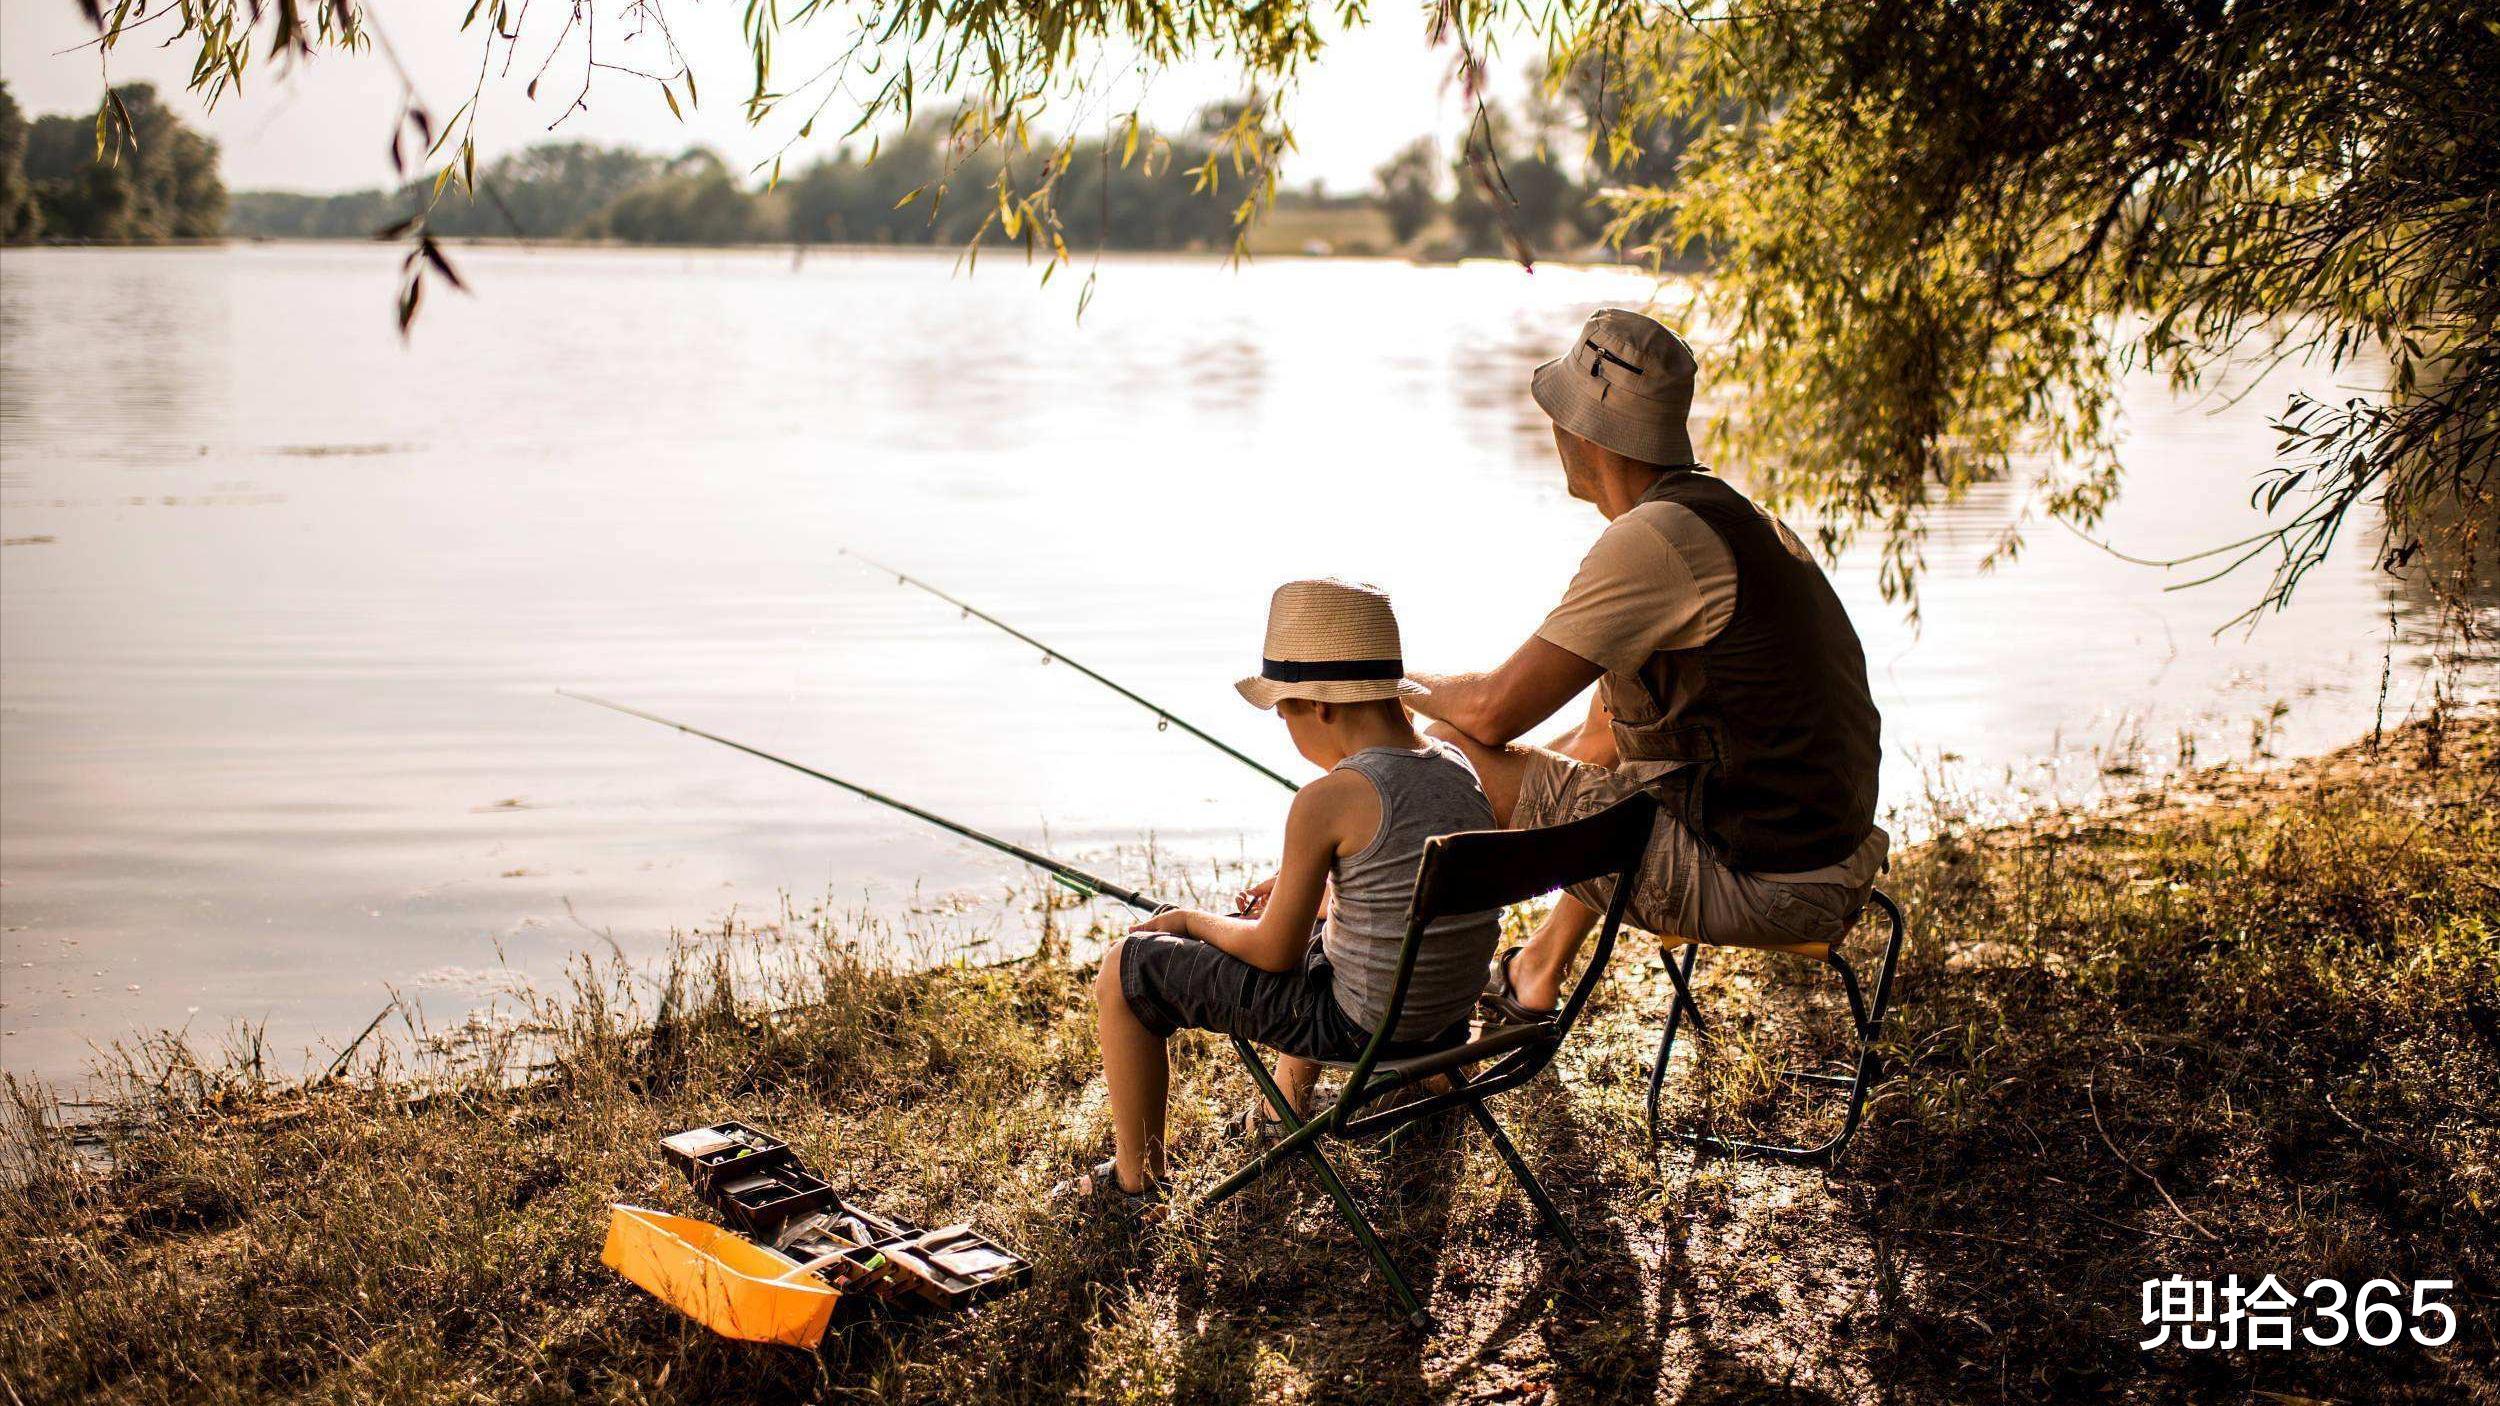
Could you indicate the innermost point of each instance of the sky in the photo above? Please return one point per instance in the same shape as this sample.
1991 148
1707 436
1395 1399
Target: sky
326 126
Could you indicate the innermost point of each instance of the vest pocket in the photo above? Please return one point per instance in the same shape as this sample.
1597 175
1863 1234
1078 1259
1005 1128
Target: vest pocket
1693 742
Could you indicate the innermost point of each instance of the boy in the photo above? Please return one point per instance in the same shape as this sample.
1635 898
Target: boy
1354 837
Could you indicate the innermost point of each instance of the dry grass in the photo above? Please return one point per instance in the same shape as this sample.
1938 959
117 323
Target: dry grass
2251 1029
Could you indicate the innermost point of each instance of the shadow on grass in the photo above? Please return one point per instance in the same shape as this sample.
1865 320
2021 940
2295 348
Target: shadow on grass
1285 1281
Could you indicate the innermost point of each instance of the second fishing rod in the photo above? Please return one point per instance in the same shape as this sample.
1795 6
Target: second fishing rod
1051 653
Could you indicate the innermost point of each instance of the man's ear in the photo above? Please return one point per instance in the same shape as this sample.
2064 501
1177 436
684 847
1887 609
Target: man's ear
1324 713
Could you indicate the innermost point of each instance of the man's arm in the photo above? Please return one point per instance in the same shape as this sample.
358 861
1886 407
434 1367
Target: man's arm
1495 708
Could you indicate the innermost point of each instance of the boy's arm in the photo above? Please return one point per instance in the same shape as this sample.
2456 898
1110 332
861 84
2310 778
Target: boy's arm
1317 829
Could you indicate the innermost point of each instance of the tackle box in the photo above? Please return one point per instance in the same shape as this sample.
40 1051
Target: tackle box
955 1266
759 1186
948 1268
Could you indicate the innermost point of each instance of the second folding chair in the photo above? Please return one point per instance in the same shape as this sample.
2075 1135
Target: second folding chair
1846 1085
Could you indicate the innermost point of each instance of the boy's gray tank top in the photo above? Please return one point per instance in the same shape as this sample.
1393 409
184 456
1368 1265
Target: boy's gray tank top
1427 792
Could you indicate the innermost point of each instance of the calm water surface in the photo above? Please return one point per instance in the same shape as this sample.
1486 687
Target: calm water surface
285 601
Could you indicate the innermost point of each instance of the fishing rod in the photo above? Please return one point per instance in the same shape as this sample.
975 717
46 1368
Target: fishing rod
1163 716
1068 874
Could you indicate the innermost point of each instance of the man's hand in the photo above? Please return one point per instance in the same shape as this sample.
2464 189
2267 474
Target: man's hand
1172 920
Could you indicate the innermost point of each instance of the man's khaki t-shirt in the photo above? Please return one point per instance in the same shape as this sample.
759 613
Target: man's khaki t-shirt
1658 578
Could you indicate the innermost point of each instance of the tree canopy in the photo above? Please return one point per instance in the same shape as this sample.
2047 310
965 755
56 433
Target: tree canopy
1938 229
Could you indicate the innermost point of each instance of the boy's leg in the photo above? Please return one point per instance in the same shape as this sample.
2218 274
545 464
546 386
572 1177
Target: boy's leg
1136 1066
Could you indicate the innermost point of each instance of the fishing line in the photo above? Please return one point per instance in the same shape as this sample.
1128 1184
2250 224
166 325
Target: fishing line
1164 717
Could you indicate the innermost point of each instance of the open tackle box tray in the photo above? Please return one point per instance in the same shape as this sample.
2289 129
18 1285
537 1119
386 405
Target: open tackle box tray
787 1213
709 1153
948 1268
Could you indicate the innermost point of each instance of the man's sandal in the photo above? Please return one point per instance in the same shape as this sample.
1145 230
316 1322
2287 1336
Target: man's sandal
1500 1001
1256 1125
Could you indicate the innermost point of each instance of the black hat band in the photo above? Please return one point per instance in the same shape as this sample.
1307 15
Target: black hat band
1330 670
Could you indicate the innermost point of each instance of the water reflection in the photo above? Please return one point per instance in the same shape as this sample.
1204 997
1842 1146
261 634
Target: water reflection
108 391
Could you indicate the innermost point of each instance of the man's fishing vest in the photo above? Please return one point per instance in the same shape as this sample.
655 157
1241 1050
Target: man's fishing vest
1770 720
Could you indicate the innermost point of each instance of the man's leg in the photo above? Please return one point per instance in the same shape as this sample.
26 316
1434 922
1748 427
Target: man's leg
1498 769
1136 1066
1294 1076
1537 972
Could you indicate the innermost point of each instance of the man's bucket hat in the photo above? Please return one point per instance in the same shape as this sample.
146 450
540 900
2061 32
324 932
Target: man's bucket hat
1329 642
1625 385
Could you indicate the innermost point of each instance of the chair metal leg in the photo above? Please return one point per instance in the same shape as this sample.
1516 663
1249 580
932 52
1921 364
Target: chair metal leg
1683 1002
1527 1179
1302 1139
1849 987
1871 1024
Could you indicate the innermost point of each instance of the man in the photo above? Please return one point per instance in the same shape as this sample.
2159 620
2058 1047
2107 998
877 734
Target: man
1731 684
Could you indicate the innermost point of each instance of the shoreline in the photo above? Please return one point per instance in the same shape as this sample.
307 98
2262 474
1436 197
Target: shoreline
1965 808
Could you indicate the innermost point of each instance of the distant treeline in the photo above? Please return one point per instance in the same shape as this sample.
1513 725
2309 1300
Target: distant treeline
155 180
921 188
580 190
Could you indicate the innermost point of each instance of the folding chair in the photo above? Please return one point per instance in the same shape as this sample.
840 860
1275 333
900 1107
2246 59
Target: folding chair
1869 1022
1465 873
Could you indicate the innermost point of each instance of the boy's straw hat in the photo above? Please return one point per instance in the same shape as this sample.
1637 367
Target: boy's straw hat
1626 384
1329 642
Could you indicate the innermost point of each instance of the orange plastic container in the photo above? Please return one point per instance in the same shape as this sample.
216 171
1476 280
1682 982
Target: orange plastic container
719 1278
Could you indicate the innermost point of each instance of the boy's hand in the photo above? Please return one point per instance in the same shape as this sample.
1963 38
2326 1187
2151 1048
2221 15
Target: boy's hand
1171 920
1252 901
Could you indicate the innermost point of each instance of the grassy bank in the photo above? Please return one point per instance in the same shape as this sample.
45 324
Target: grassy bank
2249 1026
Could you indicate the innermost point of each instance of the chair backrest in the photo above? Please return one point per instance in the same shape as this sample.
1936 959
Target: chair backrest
1477 870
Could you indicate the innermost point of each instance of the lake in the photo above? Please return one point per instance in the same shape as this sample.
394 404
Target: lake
285 602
